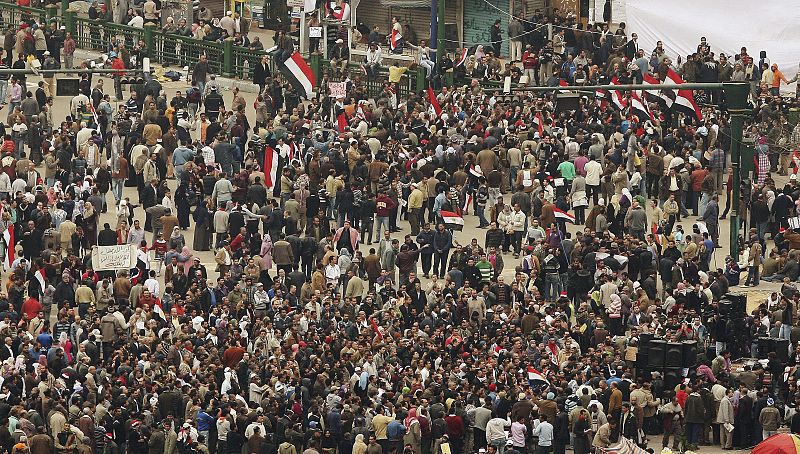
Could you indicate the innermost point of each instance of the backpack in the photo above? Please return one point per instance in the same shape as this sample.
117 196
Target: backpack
194 95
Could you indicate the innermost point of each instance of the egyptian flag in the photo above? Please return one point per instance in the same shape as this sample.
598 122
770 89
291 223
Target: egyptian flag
467 203
299 74
375 328
271 164
553 349
601 99
656 235
616 96
8 238
475 171
563 215
684 99
394 40
537 120
463 59
341 12
437 109
136 274
452 221
536 378
563 83
40 276
342 121
654 95
639 107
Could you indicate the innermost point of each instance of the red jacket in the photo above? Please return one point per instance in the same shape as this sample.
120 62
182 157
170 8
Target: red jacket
384 206
117 63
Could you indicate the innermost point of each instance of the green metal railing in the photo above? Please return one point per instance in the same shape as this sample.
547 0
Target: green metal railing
176 50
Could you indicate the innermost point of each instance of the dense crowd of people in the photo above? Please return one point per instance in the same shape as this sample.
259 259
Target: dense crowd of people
319 329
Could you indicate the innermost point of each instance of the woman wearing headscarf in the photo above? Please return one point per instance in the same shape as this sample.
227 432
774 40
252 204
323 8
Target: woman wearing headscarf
176 239
266 252
202 228
182 203
91 218
413 434
359 447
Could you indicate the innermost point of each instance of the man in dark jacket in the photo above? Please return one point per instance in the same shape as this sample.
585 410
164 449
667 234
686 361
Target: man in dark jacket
426 237
442 242
107 237
213 103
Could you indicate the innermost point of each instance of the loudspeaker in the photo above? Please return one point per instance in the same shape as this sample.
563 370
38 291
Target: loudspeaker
656 353
781 348
739 301
674 355
689 353
765 345
566 102
644 341
67 87
725 307
673 376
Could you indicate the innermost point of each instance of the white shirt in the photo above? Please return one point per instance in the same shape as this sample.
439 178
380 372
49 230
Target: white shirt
152 285
593 171
136 21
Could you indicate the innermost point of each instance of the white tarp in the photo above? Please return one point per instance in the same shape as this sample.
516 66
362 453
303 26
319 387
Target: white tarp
727 24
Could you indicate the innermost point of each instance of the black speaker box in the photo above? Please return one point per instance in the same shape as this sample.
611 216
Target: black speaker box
689 353
673 376
739 302
781 348
644 341
765 345
67 86
674 355
566 102
725 307
656 353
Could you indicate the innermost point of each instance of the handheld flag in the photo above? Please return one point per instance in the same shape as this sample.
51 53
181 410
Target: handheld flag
463 58
299 74
684 99
639 107
40 277
452 221
437 109
563 215
536 378
341 12
616 96
271 163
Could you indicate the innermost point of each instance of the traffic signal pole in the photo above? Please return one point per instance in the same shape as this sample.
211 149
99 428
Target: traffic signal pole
736 98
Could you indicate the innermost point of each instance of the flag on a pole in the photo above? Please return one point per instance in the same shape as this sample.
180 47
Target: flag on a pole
437 109
271 163
640 108
684 99
616 96
467 203
375 327
452 221
299 74
463 58
8 238
652 95
40 277
563 215
537 120
536 378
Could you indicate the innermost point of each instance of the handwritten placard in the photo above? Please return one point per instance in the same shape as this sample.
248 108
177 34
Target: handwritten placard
107 258
337 89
